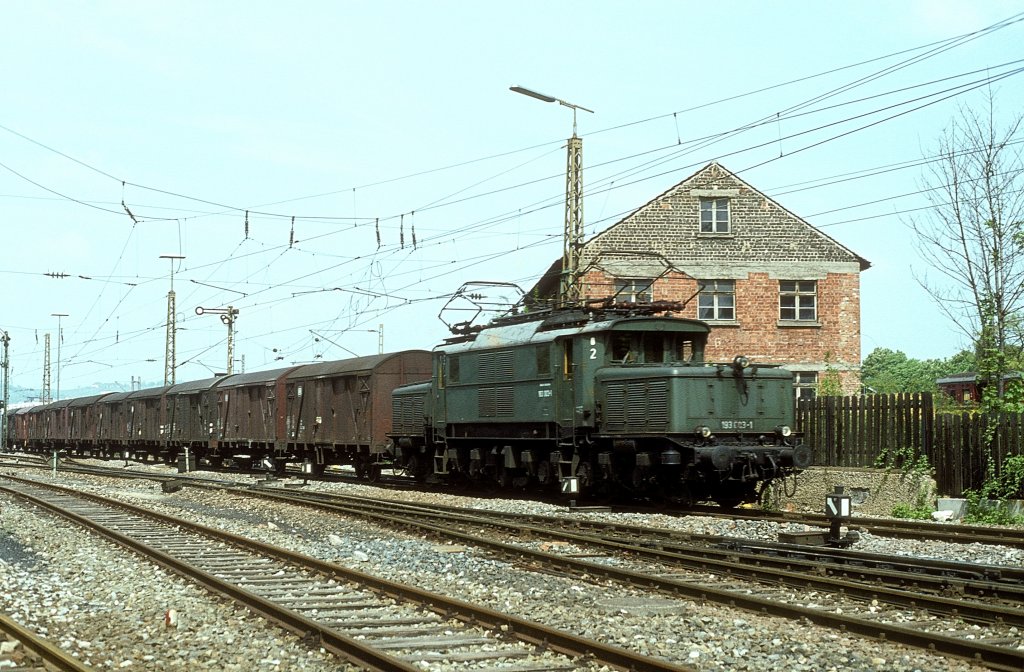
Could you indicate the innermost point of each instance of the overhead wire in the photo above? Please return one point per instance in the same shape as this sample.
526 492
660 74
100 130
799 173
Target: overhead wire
447 234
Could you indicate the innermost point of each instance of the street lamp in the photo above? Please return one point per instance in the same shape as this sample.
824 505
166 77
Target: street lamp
227 316
572 240
60 339
169 363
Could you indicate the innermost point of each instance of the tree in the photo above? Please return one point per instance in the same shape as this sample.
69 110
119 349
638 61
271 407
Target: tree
974 235
888 371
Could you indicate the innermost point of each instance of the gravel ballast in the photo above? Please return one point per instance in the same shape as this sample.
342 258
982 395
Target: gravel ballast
708 637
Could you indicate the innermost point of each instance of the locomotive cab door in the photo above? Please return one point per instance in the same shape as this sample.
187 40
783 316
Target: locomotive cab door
580 359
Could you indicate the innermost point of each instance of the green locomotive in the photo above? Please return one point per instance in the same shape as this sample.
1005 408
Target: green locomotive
618 400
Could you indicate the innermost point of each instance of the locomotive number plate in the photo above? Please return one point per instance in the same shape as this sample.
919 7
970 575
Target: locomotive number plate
737 424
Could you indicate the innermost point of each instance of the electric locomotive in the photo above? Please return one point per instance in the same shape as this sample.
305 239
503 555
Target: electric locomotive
618 400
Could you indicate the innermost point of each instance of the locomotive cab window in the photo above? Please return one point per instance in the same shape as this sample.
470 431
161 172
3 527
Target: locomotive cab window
623 349
654 348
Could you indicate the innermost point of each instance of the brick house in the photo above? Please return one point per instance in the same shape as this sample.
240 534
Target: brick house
772 286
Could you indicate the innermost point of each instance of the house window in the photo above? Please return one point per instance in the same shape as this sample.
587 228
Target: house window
636 290
717 300
805 384
714 215
798 300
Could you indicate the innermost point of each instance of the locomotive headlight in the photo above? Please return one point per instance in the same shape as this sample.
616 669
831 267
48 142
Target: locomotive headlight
740 362
783 430
703 431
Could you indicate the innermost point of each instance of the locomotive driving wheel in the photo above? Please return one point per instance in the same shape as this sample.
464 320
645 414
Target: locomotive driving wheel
585 473
545 474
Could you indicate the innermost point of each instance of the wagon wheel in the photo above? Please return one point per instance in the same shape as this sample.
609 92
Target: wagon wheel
413 468
359 465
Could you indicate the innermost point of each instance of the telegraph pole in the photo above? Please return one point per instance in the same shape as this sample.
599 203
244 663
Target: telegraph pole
172 330
569 293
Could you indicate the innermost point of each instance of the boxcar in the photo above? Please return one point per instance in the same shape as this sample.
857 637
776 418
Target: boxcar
340 412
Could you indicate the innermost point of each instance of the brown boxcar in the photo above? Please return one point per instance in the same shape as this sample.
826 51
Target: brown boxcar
146 408
115 423
20 427
84 424
245 412
189 425
340 412
53 425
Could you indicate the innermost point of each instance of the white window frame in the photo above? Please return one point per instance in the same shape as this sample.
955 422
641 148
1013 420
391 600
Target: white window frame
802 299
634 290
712 209
805 384
712 296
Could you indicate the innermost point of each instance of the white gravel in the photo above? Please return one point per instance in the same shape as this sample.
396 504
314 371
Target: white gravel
708 637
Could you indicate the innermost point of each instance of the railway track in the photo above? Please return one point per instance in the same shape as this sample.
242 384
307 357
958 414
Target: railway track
847 600
370 622
21 650
882 527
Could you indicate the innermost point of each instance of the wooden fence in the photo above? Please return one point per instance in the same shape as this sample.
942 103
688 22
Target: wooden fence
868 430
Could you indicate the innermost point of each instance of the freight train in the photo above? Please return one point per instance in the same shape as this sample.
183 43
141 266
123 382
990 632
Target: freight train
610 400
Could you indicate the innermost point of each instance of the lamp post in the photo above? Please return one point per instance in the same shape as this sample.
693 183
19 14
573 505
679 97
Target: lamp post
572 241
60 339
227 316
169 362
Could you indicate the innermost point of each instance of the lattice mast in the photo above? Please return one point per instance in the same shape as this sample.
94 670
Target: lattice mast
46 397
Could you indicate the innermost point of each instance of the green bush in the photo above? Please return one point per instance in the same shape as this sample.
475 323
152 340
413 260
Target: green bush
904 510
981 512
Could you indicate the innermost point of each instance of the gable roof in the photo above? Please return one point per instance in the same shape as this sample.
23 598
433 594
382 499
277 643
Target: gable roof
659 211
725 180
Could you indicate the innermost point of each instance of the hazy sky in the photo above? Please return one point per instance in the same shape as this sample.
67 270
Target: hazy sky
388 132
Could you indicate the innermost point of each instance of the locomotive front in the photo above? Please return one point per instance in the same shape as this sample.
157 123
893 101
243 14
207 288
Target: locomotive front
707 431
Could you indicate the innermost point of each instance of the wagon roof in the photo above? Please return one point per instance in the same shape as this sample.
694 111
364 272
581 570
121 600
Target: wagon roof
355 364
149 392
194 386
117 396
255 378
88 401
30 409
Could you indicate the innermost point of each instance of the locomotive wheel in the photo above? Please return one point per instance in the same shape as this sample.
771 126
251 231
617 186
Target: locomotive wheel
545 474
638 477
505 477
585 473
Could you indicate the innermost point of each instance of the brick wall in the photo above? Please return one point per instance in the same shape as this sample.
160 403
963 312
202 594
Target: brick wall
766 243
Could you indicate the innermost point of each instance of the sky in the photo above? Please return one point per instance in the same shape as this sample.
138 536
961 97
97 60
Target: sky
335 171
